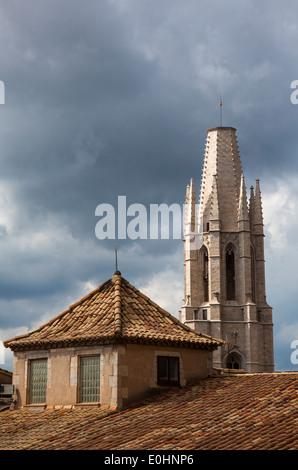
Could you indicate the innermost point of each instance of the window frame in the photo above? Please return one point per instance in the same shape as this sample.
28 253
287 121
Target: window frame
234 359
168 381
80 388
30 376
205 256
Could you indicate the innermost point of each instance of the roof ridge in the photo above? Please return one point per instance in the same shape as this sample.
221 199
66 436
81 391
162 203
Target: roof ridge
117 279
61 314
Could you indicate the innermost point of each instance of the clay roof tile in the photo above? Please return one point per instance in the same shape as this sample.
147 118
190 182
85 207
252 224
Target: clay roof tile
114 311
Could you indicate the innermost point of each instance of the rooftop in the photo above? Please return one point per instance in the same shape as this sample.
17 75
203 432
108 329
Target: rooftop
241 412
114 312
220 128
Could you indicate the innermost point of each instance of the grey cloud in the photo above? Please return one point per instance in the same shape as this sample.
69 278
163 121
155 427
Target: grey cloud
111 98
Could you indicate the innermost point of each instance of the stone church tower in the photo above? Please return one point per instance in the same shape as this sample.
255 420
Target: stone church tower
224 265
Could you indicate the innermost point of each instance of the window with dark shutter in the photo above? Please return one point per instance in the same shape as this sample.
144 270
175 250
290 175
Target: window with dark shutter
168 370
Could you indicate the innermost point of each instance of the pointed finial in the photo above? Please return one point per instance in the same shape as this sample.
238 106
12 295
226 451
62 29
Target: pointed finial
242 207
116 260
252 206
220 110
187 194
190 216
258 204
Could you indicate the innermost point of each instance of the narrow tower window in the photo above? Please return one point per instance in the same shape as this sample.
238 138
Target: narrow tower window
253 279
206 275
230 273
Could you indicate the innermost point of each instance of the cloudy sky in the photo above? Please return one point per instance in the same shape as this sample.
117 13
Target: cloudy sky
113 97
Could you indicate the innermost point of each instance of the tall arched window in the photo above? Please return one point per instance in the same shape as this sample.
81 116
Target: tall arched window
230 272
234 361
253 278
205 273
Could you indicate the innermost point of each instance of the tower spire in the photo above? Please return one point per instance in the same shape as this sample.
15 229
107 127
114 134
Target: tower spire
252 207
190 218
258 205
190 243
224 275
221 158
242 208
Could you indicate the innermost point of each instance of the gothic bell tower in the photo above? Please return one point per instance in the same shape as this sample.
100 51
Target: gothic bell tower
224 266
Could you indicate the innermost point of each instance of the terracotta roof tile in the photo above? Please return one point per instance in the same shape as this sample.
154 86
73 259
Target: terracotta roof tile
114 311
249 411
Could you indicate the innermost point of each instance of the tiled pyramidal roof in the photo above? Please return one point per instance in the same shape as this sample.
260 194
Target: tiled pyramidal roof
114 312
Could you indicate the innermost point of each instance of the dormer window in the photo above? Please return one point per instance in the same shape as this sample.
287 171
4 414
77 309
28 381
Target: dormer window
38 381
168 370
90 379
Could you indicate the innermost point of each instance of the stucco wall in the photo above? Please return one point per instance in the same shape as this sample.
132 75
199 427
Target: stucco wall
127 372
138 369
63 374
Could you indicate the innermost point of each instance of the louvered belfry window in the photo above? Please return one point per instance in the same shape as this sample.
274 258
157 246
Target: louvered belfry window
90 379
38 380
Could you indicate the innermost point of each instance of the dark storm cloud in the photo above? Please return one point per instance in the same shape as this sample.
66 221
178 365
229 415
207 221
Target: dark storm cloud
113 98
